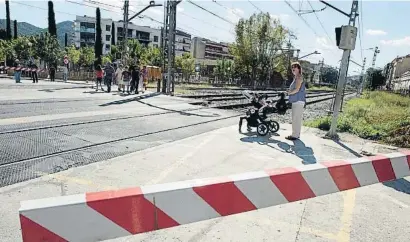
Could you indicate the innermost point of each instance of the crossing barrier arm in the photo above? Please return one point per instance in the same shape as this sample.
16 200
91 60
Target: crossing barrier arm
105 215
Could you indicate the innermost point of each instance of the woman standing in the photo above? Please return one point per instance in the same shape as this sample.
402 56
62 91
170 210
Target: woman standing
297 97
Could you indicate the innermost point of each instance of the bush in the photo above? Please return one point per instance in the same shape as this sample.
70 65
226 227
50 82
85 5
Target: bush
376 115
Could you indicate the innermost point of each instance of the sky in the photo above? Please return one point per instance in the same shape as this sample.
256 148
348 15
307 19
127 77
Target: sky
380 23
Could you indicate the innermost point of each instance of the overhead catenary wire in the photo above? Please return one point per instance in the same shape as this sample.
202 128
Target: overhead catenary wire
32 6
210 12
178 28
361 29
306 23
255 6
206 22
320 22
227 8
102 8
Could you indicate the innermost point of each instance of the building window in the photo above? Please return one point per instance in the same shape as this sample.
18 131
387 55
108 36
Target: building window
155 38
108 27
107 37
107 47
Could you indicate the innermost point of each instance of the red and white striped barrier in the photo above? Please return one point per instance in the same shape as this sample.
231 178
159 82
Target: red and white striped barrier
111 214
22 69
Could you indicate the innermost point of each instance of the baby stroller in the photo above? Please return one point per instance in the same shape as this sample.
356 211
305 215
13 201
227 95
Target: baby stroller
257 116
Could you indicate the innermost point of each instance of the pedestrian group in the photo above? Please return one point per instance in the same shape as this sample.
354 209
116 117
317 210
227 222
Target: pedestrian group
129 79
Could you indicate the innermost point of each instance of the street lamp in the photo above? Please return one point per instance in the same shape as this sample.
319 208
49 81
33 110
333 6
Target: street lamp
126 20
313 53
151 4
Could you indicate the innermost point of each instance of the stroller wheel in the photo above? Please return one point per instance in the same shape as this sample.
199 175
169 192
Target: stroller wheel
262 129
273 126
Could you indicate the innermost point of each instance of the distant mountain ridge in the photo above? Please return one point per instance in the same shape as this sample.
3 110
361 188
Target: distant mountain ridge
26 29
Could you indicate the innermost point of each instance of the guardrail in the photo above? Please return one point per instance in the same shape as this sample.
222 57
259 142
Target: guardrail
104 215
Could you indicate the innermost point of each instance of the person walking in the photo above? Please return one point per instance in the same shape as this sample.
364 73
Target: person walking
99 75
118 78
65 73
52 71
144 77
135 75
34 75
108 75
17 71
126 76
297 97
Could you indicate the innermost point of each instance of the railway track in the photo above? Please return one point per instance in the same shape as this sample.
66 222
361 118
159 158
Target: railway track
58 148
226 95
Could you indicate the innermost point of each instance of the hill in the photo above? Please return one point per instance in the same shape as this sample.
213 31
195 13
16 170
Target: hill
27 29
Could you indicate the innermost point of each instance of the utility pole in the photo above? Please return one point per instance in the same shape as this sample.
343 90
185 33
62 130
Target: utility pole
363 75
376 51
164 47
343 71
321 70
171 27
290 52
124 33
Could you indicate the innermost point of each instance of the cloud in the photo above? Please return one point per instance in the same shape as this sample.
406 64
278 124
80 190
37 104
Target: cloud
375 32
281 17
397 42
234 14
324 43
180 9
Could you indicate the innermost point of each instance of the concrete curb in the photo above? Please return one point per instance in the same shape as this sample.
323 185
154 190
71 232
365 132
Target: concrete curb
111 214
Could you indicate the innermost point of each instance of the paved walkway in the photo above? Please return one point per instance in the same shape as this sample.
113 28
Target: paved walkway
374 213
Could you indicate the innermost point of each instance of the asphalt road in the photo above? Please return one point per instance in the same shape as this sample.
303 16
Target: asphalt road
48 135
70 125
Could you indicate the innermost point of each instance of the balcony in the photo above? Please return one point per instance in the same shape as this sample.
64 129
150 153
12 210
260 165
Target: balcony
214 50
87 30
143 38
89 41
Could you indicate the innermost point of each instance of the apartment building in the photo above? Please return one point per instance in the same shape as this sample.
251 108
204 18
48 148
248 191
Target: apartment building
397 73
85 33
147 36
182 43
211 51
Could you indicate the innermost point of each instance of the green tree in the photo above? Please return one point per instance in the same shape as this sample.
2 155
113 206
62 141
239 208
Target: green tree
186 64
52 27
329 75
106 58
47 48
86 56
136 49
8 23
15 29
98 47
223 69
23 48
3 34
256 46
112 33
114 52
73 54
374 79
152 56
6 50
